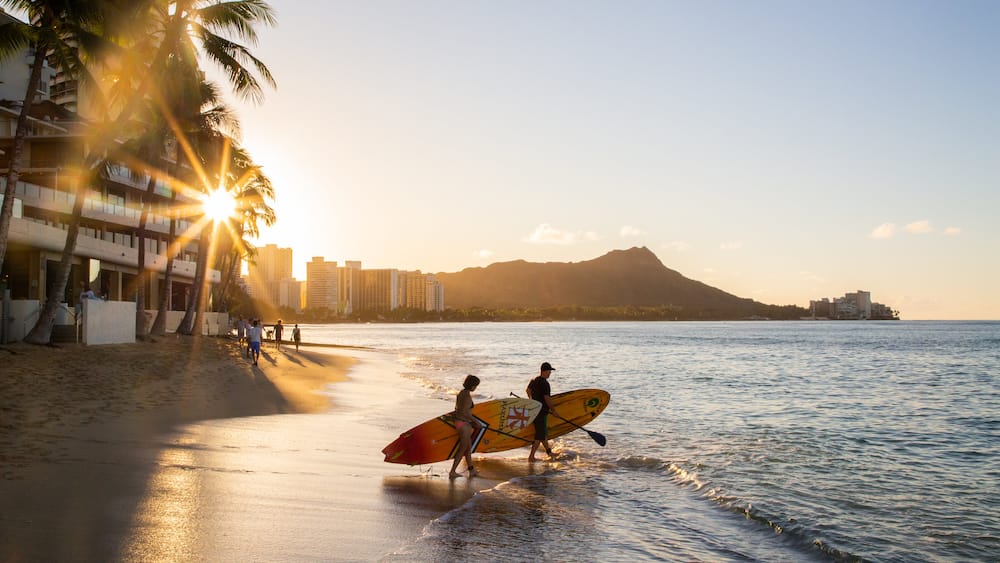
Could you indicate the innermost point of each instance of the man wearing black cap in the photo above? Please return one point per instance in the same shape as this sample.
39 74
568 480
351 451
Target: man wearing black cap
539 390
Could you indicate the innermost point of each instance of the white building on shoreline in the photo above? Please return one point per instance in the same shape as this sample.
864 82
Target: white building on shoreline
107 251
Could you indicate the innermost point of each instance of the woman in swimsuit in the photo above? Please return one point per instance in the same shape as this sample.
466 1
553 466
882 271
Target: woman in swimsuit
465 424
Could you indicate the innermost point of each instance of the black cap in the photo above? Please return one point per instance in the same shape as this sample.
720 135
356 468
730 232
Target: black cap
547 367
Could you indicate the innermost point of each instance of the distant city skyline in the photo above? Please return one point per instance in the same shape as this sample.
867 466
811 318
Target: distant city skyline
273 266
778 151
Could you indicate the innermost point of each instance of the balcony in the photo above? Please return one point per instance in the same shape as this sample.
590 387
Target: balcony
51 238
94 208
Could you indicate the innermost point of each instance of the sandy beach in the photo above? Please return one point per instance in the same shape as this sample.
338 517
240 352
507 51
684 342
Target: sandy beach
50 395
180 450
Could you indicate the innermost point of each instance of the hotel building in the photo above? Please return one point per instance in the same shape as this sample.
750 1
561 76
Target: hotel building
106 253
321 284
270 277
421 291
857 305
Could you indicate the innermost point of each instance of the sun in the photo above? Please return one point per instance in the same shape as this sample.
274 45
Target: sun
219 205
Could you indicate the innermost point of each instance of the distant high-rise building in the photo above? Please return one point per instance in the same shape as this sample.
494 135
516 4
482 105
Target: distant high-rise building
857 305
290 293
379 289
271 267
321 284
421 291
435 296
348 287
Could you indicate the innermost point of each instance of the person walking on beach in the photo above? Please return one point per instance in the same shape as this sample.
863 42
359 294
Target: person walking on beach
241 331
466 424
296 336
540 390
255 334
278 329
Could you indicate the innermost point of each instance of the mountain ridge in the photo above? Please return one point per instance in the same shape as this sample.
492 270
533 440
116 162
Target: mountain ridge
620 278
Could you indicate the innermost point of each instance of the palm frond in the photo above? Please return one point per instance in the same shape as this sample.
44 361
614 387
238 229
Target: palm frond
234 59
14 38
237 18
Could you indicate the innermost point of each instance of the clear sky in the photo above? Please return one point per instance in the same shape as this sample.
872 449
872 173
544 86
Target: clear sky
777 150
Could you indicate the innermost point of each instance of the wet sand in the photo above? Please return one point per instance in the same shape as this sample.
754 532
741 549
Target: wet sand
159 451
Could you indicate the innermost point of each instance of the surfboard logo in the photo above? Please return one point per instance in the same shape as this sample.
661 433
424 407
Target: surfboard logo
517 417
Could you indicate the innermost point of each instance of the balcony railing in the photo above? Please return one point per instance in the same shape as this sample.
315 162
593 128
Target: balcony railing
94 207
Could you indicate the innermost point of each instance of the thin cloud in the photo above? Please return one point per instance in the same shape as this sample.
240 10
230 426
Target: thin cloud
952 231
483 253
885 230
809 276
630 231
733 245
547 234
677 246
919 227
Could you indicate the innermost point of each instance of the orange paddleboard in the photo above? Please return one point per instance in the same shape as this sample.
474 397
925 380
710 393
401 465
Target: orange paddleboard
502 421
578 407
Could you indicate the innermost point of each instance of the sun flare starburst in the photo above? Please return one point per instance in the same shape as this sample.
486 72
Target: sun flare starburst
219 205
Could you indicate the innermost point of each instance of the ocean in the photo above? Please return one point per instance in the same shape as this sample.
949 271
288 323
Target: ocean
726 441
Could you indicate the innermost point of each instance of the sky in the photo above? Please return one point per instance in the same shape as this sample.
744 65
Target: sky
777 150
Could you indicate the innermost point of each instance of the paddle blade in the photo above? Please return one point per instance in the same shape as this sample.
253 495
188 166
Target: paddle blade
599 438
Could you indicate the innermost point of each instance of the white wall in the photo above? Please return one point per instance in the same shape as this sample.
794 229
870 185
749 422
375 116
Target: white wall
215 323
108 322
23 316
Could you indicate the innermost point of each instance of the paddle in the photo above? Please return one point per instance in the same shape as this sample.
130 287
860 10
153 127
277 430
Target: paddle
490 428
595 436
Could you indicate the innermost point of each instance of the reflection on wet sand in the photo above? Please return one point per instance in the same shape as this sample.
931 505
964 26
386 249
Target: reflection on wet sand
514 502
163 523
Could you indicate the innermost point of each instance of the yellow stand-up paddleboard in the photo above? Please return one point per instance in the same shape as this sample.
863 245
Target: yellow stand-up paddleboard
576 408
502 423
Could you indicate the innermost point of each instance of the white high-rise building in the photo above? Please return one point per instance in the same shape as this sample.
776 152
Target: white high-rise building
348 287
420 291
379 289
290 294
271 267
322 284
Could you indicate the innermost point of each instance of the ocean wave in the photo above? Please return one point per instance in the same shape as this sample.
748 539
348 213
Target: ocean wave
677 473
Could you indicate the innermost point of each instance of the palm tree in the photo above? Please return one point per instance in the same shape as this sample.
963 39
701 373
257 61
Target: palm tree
143 153
250 189
252 209
181 27
61 30
190 133
162 122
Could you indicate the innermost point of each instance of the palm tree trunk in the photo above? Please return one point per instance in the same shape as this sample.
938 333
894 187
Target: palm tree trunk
230 272
41 333
160 323
17 151
188 325
143 273
222 264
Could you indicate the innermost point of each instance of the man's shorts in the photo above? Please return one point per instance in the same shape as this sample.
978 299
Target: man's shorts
542 427
255 347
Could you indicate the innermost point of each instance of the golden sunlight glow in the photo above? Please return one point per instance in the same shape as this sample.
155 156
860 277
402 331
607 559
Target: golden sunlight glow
219 205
